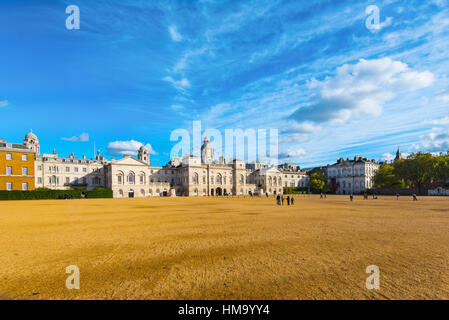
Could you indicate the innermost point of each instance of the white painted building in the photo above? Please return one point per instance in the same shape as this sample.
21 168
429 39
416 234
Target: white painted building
353 176
136 177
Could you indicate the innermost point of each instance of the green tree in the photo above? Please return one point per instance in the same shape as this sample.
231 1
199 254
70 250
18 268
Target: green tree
386 178
318 181
441 168
417 170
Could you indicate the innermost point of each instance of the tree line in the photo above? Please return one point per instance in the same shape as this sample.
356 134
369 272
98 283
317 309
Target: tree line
418 170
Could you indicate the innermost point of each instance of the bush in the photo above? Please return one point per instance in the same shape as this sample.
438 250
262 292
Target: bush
295 190
40 194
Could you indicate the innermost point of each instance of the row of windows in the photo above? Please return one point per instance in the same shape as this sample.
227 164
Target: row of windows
9 186
9 171
55 180
67 169
9 157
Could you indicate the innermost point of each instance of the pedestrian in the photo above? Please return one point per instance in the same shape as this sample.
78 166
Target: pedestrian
282 199
288 200
351 197
278 200
292 200
266 194
397 196
414 197
321 195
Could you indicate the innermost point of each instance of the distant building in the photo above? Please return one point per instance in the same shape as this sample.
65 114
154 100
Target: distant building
17 164
398 155
137 177
352 176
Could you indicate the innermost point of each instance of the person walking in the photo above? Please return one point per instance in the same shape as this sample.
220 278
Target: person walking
397 196
321 195
278 200
292 200
282 199
415 198
288 200
351 197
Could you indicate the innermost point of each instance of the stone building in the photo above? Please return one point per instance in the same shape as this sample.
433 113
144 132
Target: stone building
137 177
17 165
352 176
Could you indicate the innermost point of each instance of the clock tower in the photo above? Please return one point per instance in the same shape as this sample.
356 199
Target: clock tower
207 153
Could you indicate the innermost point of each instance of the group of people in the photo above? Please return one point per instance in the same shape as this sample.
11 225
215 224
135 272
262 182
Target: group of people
280 200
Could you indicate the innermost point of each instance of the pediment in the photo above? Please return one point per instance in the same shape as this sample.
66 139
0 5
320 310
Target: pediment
130 161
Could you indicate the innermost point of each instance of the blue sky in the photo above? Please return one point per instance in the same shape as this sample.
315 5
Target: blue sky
137 70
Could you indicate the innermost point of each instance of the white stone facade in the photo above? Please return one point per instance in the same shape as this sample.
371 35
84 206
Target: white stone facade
136 177
353 176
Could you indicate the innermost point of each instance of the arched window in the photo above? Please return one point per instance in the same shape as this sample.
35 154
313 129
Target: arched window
131 177
142 178
212 179
219 181
150 192
120 193
242 180
195 192
120 177
142 193
195 178
274 181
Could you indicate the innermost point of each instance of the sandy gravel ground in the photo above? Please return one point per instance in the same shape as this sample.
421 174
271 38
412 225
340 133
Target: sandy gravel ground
225 248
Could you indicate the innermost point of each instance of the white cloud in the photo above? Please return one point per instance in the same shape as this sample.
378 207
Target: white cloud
177 107
292 153
436 141
387 157
3 103
83 137
180 85
360 89
441 121
443 96
174 33
127 147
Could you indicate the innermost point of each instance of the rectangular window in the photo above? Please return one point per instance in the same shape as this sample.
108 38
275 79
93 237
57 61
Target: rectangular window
24 186
84 169
24 171
67 180
39 180
119 179
76 169
8 156
39 168
84 180
67 169
9 186
24 157
8 171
